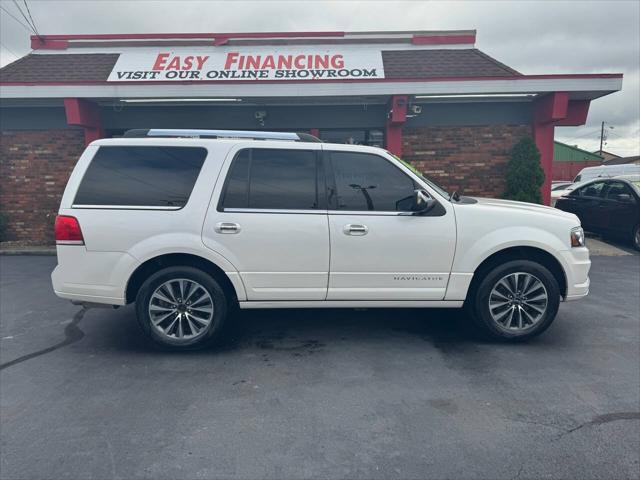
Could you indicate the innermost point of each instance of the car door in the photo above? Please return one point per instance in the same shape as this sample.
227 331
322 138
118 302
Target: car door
584 202
379 251
269 219
619 208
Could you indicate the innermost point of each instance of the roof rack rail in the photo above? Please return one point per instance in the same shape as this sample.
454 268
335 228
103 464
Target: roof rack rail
188 133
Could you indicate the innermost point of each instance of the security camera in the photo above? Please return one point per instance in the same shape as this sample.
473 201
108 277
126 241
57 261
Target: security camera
260 117
416 109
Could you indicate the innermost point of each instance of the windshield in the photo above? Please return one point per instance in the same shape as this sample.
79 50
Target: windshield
431 183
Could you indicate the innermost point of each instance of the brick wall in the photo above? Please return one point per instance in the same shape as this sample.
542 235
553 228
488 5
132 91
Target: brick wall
34 168
468 158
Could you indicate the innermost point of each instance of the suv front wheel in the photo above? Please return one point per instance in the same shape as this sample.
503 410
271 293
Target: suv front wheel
635 237
515 301
181 308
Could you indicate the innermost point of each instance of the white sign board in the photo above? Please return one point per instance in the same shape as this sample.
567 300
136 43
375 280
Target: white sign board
245 63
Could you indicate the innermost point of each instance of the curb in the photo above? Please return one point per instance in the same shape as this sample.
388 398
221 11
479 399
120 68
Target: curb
41 251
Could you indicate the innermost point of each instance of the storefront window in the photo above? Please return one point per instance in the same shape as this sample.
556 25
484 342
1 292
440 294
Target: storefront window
374 138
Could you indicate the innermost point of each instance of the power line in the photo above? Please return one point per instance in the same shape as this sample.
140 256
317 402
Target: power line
26 19
614 133
32 21
9 50
593 132
15 18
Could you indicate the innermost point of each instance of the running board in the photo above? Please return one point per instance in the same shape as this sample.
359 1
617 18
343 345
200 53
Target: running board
352 304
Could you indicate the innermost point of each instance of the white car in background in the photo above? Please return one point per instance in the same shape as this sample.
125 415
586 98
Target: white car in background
607 171
192 224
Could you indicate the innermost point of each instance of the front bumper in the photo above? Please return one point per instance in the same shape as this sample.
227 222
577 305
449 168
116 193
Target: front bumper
580 291
576 266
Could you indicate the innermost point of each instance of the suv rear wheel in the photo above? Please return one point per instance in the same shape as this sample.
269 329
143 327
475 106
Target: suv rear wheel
181 308
515 301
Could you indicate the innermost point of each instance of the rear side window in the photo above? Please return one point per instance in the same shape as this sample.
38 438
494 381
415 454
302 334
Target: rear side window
141 176
274 179
617 188
369 182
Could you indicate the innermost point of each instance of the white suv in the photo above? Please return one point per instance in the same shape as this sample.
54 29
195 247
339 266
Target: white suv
190 224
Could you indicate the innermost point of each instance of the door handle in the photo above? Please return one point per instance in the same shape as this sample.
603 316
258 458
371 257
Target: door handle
354 229
227 227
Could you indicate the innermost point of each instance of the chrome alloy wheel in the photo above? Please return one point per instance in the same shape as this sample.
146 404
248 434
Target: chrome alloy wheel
181 309
518 302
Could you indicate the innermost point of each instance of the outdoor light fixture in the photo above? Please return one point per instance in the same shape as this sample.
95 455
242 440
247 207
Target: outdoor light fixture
178 100
479 95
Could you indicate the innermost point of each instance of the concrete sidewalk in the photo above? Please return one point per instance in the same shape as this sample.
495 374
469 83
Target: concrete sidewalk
598 247
27 250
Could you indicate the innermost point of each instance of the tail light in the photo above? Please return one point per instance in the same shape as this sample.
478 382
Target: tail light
68 231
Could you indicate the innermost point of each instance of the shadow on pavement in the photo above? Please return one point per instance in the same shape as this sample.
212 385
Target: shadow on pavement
305 332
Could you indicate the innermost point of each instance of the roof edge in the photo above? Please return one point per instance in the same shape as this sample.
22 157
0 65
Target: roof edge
572 147
498 62
559 76
419 37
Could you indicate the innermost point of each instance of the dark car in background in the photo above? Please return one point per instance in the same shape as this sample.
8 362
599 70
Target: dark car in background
610 207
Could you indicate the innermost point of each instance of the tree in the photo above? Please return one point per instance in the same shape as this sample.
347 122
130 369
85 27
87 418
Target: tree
524 173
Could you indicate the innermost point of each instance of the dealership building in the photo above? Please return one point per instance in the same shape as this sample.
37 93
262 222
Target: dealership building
432 98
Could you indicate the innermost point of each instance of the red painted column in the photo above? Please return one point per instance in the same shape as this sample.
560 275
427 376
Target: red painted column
396 118
394 139
86 114
547 111
554 109
543 134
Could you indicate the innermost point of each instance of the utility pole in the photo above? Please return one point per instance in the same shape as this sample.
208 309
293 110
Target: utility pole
601 137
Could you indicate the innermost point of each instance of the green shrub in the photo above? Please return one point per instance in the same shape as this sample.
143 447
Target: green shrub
524 173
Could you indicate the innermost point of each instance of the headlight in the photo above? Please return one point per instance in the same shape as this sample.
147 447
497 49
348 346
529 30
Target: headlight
577 237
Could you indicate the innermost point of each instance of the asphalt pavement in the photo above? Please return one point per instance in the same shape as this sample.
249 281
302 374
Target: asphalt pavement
319 394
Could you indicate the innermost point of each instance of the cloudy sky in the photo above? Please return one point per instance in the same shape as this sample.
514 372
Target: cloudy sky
534 37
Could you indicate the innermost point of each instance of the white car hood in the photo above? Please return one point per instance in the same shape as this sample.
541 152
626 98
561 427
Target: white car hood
524 206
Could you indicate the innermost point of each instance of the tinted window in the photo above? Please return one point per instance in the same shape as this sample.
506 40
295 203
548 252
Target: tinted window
595 189
273 179
369 182
617 188
141 176
237 193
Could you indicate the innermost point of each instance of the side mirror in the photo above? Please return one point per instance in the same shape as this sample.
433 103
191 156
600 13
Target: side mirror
422 203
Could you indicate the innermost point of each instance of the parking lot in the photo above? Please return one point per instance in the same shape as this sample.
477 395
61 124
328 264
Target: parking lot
319 394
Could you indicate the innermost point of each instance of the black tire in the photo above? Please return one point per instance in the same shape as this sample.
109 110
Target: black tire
635 237
477 304
209 333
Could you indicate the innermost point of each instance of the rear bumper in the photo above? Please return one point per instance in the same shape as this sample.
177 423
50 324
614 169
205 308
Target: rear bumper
95 277
82 299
